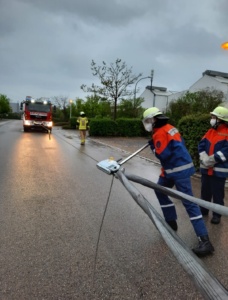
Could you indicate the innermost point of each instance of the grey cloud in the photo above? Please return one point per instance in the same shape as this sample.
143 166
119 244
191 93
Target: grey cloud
115 12
47 46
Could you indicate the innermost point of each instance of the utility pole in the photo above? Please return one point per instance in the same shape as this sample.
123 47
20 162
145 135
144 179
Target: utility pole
71 101
151 79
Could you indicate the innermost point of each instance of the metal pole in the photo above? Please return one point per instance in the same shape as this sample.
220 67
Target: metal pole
152 76
70 107
133 154
137 83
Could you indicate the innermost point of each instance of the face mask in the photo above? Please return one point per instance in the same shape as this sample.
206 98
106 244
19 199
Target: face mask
213 122
148 127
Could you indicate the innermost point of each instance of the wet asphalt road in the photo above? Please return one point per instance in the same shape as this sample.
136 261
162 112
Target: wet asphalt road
52 202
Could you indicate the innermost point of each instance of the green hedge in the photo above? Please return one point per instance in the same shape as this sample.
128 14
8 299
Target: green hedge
192 129
102 127
73 122
11 115
120 127
66 125
130 127
60 124
108 127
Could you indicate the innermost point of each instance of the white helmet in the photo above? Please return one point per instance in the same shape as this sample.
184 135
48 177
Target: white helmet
151 112
148 117
221 113
82 113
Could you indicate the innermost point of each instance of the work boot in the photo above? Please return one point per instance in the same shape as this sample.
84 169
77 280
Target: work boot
205 247
215 220
172 224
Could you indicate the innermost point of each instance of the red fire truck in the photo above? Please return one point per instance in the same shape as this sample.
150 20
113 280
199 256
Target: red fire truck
37 114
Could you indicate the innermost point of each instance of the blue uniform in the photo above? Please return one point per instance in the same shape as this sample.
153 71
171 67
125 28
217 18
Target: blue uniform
177 167
214 142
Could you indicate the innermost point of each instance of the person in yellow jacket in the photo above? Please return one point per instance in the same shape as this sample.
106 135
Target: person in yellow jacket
82 123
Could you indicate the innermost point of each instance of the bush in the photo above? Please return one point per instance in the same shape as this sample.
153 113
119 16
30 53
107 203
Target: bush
73 122
67 126
192 129
130 127
120 127
102 127
11 115
60 123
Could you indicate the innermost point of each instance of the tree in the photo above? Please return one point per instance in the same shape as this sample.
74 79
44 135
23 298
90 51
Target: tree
95 106
4 105
131 108
115 80
61 102
200 102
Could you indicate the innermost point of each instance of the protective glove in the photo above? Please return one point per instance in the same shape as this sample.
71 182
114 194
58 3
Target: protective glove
209 161
203 155
151 143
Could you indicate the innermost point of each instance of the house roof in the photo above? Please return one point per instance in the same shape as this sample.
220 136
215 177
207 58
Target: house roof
162 91
215 74
159 88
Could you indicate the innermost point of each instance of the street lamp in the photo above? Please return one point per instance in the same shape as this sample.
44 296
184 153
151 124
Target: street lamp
151 77
71 101
224 46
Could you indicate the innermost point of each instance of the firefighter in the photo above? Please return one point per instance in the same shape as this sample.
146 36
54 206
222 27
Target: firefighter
177 168
213 152
82 123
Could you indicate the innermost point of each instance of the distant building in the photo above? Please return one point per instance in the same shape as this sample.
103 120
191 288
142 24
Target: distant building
15 107
212 80
161 98
157 96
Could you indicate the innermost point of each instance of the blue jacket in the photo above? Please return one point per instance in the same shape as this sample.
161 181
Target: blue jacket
169 148
215 142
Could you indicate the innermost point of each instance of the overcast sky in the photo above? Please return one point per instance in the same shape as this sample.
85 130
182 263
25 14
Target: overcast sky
46 46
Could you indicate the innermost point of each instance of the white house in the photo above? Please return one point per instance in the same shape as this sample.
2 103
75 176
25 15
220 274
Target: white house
15 107
212 80
157 96
161 98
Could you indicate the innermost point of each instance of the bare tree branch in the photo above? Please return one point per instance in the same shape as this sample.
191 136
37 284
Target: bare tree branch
115 80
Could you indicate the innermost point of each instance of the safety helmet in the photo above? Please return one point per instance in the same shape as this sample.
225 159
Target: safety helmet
221 113
151 112
148 118
82 113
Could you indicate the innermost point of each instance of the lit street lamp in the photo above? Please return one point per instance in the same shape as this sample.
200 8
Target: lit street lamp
71 101
224 46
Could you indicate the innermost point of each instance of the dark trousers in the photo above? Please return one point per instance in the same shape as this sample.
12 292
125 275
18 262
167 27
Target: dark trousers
168 208
212 188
